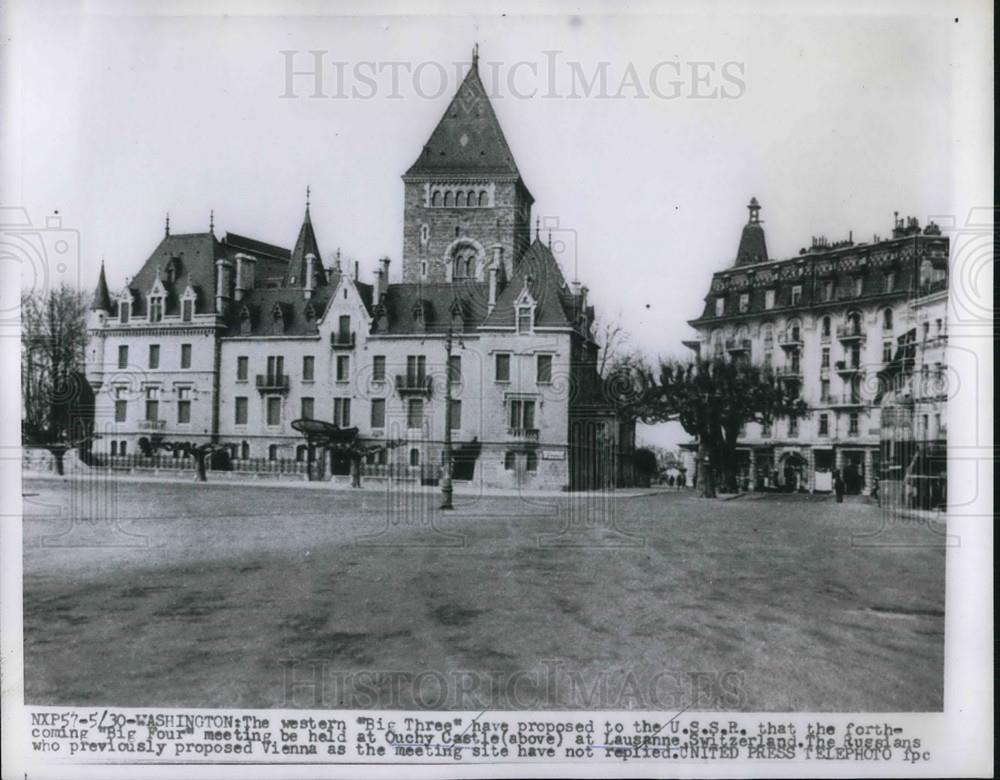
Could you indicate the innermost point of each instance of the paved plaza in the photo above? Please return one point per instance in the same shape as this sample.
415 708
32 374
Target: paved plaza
237 595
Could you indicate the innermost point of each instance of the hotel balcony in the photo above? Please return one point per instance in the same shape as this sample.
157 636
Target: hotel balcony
849 333
844 369
342 340
790 340
152 425
737 345
847 401
790 373
523 434
272 383
416 384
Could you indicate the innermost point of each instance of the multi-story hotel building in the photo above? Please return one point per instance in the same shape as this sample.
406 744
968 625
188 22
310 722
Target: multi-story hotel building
229 340
829 322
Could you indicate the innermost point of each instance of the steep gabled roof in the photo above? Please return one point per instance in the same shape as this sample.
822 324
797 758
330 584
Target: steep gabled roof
193 255
102 298
468 138
554 303
305 245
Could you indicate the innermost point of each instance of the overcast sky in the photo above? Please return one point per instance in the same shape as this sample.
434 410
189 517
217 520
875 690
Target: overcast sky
832 122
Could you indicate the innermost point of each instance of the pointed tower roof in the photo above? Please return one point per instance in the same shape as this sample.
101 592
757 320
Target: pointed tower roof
753 247
102 299
468 137
306 245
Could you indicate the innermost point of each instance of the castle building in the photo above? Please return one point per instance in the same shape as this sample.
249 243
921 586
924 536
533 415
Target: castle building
229 339
833 323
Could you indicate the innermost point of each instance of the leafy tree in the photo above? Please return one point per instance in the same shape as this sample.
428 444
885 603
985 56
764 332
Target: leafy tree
713 400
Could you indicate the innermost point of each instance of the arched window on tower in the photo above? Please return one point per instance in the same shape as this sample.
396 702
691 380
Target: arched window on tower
447 200
435 199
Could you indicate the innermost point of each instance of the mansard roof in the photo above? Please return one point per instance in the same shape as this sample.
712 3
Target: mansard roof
468 138
401 301
192 256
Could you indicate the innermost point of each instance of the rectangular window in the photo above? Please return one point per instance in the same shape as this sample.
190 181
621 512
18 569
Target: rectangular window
744 302
887 352
242 407
793 426
124 309
768 299
114 448
524 319
242 368
154 355
824 425
796 294
503 367
767 359
342 412
544 369
824 391
415 413
155 309
378 413
308 368
828 290
308 406
343 328
416 370
510 460
275 369
152 403
855 356
522 415
187 310
121 405
765 430
185 356
274 411
378 368
824 358
343 368
852 427
859 285
890 281
123 356
455 369
455 415
183 405
720 306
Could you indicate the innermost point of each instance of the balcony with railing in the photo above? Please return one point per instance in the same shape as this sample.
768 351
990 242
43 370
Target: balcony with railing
523 434
790 339
847 401
342 340
734 346
850 332
273 383
844 368
791 373
414 384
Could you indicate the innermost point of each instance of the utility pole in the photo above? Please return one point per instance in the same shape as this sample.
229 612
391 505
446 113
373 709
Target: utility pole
446 486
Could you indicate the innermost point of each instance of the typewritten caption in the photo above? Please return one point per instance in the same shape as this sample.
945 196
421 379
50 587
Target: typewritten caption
124 735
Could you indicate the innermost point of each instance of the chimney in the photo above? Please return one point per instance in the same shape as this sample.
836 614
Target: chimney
355 270
222 282
240 277
381 281
310 280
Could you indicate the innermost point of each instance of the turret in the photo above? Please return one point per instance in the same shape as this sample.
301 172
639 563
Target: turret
753 247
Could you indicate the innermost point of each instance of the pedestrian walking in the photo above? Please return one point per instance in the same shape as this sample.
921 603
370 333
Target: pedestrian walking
838 487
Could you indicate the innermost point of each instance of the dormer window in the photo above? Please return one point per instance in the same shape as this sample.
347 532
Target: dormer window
155 308
124 310
187 305
277 321
245 322
525 319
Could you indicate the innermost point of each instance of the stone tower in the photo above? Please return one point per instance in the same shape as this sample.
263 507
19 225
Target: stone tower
464 196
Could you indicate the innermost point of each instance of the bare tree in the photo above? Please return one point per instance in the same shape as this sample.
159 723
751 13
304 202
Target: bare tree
612 341
53 340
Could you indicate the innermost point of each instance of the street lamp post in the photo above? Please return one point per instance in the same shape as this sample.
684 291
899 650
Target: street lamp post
446 486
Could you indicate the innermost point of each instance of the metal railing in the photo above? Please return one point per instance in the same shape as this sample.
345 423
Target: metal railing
342 340
414 384
273 382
